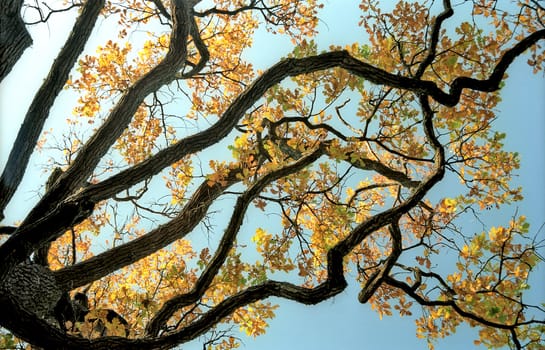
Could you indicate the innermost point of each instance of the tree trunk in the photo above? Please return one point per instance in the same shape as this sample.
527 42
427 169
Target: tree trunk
33 287
14 37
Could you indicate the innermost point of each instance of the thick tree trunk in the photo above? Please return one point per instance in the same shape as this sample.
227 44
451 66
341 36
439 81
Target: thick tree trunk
34 288
14 38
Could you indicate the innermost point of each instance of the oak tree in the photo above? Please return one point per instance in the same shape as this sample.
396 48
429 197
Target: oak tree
187 187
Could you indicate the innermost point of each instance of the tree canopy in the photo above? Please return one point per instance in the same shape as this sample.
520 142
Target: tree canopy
186 185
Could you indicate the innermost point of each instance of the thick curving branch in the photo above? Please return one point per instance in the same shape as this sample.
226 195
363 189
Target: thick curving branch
25 239
384 170
390 216
292 67
113 259
410 291
215 133
308 296
493 82
201 48
434 39
38 111
375 280
226 243
96 147
425 87
14 37
121 115
335 281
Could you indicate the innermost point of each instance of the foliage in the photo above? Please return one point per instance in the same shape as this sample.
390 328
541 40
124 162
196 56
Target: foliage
195 186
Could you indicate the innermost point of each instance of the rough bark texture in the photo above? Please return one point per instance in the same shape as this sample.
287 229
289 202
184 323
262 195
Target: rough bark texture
38 111
34 288
14 37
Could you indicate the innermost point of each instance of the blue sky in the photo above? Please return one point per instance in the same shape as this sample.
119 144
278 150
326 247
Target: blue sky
340 322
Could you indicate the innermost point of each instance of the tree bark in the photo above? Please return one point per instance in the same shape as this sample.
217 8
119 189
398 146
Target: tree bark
33 287
42 102
14 37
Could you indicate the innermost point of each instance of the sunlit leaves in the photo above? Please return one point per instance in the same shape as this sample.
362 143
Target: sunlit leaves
274 250
448 206
493 270
252 320
138 291
178 180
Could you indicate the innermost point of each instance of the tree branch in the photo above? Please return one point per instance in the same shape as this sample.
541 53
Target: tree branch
113 259
493 82
409 290
94 149
335 280
201 47
43 101
121 115
274 75
376 279
14 37
27 238
435 30
392 174
226 243
390 215
450 99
